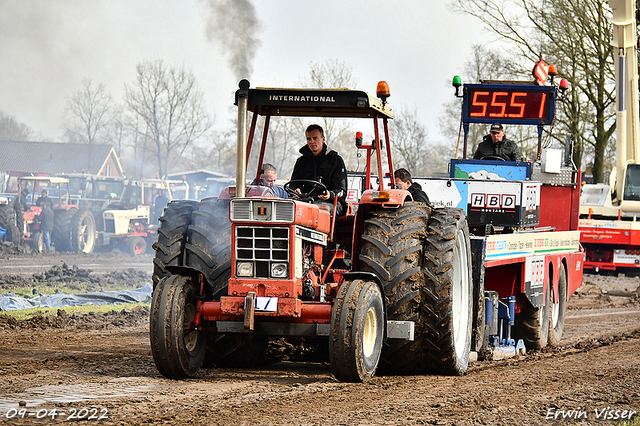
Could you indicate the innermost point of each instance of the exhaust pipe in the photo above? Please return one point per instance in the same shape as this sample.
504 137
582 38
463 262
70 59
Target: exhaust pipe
241 154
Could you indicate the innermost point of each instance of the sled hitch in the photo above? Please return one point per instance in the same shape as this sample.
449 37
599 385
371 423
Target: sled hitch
249 311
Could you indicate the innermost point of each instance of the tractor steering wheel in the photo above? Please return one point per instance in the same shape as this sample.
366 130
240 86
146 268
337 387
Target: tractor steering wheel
303 185
493 157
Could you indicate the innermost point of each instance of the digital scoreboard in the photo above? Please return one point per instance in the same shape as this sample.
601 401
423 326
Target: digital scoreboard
508 103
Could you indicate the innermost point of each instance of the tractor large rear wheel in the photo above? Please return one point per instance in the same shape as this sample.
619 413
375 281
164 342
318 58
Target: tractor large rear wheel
172 236
82 227
447 297
426 272
7 215
19 209
61 233
14 235
392 244
178 348
208 247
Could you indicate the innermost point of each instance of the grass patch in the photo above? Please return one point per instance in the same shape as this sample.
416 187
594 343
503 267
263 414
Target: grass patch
69 288
22 314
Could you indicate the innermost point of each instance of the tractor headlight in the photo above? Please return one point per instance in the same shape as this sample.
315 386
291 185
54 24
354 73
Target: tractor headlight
244 269
278 270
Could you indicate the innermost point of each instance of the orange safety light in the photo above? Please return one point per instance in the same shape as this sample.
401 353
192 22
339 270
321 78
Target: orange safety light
380 195
382 91
553 70
564 84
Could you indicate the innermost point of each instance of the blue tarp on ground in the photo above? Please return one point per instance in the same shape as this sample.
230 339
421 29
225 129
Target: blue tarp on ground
12 302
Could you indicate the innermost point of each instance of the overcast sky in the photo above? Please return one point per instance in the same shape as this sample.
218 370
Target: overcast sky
48 47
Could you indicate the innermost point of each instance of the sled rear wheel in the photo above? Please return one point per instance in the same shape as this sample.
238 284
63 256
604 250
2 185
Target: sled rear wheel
558 309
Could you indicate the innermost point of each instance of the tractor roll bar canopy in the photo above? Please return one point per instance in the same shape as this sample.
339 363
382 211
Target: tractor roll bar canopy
315 103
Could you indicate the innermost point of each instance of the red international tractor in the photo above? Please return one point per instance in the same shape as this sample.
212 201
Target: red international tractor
389 283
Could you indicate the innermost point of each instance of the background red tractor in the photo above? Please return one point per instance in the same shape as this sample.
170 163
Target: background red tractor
74 229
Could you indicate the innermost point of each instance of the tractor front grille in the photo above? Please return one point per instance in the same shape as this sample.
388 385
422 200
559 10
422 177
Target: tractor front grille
265 247
110 226
261 210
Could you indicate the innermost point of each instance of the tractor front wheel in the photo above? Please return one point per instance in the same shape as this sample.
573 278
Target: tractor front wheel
38 242
357 331
136 246
178 348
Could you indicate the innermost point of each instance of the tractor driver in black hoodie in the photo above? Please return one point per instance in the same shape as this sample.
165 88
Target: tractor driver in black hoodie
321 164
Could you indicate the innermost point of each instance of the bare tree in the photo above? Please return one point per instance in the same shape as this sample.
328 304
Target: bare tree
410 146
87 114
171 104
12 130
574 34
328 75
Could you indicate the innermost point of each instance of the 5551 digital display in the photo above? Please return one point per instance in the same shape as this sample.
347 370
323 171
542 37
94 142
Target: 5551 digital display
517 104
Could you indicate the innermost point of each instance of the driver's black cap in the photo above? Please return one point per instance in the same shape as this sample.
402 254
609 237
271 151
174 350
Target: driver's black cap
496 127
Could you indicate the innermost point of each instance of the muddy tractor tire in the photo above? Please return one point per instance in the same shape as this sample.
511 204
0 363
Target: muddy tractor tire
172 236
14 234
423 257
12 219
392 245
61 234
73 230
7 215
558 308
208 247
532 324
178 349
136 245
357 331
38 242
19 212
83 231
447 297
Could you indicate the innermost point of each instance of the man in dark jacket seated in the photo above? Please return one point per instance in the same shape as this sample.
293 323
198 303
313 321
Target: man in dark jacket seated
496 145
318 163
403 181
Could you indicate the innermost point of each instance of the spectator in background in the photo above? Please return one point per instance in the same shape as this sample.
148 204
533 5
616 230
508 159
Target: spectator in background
23 198
268 177
403 181
43 198
46 218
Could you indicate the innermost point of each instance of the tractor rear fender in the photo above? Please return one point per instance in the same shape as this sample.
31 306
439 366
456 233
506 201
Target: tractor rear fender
189 272
387 198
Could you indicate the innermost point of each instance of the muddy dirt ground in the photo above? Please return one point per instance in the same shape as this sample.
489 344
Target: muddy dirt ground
98 367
